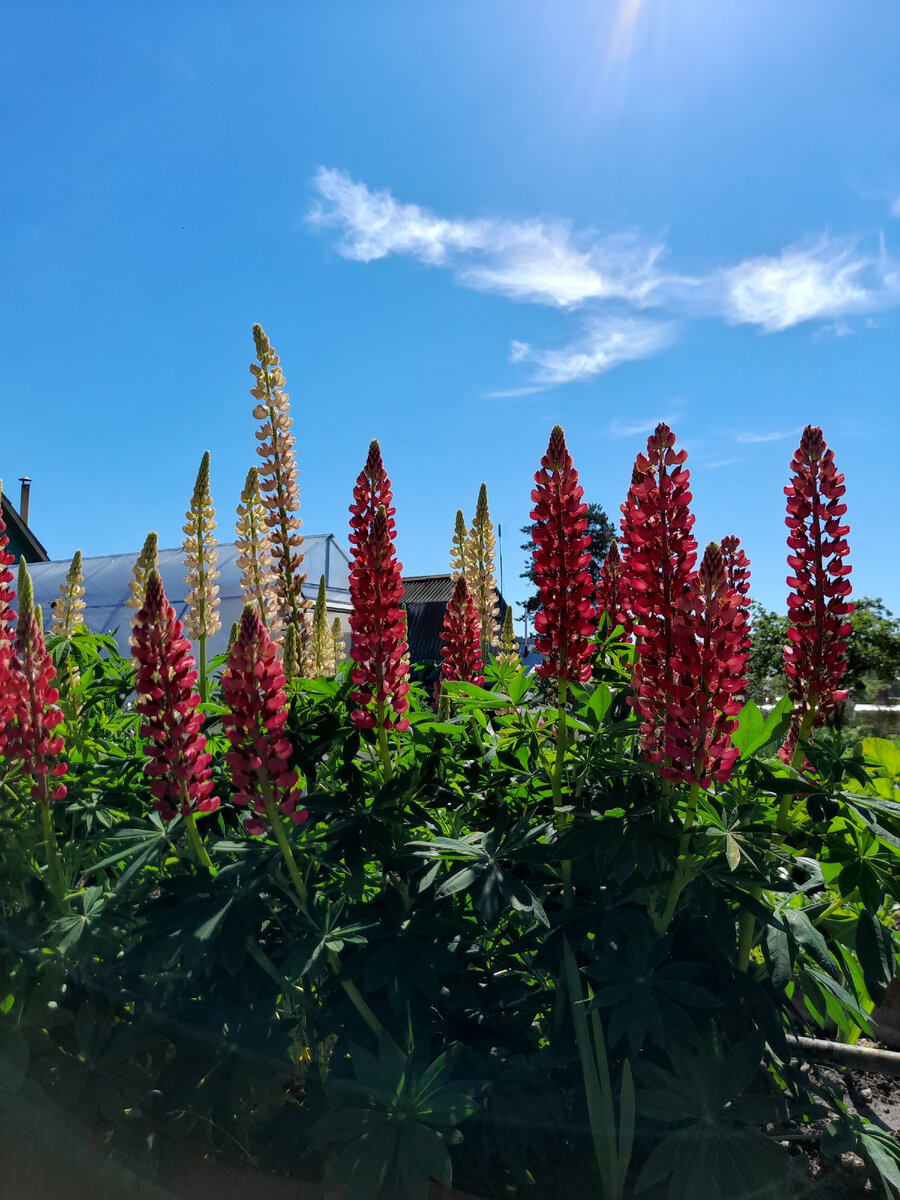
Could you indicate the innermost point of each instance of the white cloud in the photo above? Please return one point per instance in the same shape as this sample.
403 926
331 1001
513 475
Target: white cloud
606 343
828 279
542 261
774 436
895 208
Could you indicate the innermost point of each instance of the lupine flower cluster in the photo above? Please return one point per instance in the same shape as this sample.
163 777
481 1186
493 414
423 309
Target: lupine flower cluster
458 546
201 557
32 715
253 688
376 590
818 608
280 491
167 703
565 622
322 645
254 554
509 647
611 597
478 569
7 631
708 667
461 635
658 558
737 572
68 610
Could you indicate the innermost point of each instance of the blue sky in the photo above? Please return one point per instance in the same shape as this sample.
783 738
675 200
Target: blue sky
459 224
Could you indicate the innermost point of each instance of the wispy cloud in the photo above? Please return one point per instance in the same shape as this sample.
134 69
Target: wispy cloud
825 280
773 436
541 261
606 343
614 277
895 208
641 427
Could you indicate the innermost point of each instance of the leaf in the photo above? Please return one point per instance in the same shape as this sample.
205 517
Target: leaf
809 938
457 882
750 728
777 950
883 752
875 954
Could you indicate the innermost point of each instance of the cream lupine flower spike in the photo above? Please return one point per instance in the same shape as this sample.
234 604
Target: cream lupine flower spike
322 641
254 555
479 572
289 660
147 561
67 612
337 637
509 645
405 657
280 492
201 619
458 547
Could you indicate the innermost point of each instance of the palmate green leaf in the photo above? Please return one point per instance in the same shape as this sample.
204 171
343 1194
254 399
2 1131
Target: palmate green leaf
876 953
470 695
883 753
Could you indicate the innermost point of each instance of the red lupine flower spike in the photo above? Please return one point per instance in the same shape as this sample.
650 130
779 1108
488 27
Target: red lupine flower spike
461 635
658 557
737 572
708 670
167 703
376 591
564 624
818 608
32 713
611 591
253 688
7 632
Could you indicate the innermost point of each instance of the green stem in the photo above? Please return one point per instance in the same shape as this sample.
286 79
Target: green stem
680 878
556 784
832 908
287 854
54 867
383 747
190 824
201 679
748 929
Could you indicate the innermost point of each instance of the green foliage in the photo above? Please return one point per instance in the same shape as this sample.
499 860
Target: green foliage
478 981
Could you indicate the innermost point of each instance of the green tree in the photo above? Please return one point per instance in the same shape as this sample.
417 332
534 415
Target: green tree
873 650
602 532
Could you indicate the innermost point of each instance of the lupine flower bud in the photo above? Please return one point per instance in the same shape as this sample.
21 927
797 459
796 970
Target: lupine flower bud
280 492
7 631
202 617
32 712
254 554
253 688
509 645
461 636
70 605
376 622
322 642
818 608
708 669
290 662
479 572
737 572
458 547
658 559
337 637
147 561
167 703
564 624
611 591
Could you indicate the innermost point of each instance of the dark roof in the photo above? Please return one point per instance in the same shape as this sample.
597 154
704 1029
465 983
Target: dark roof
427 589
21 539
426 597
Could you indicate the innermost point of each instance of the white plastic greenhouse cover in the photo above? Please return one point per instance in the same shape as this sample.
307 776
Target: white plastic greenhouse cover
106 586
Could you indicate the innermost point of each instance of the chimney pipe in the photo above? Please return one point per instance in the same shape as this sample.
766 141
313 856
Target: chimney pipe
24 498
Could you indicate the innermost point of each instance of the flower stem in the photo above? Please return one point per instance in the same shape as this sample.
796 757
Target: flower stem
680 878
556 784
54 867
190 824
275 820
201 673
748 928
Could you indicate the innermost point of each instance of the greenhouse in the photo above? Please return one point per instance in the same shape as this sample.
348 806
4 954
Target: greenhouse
106 586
